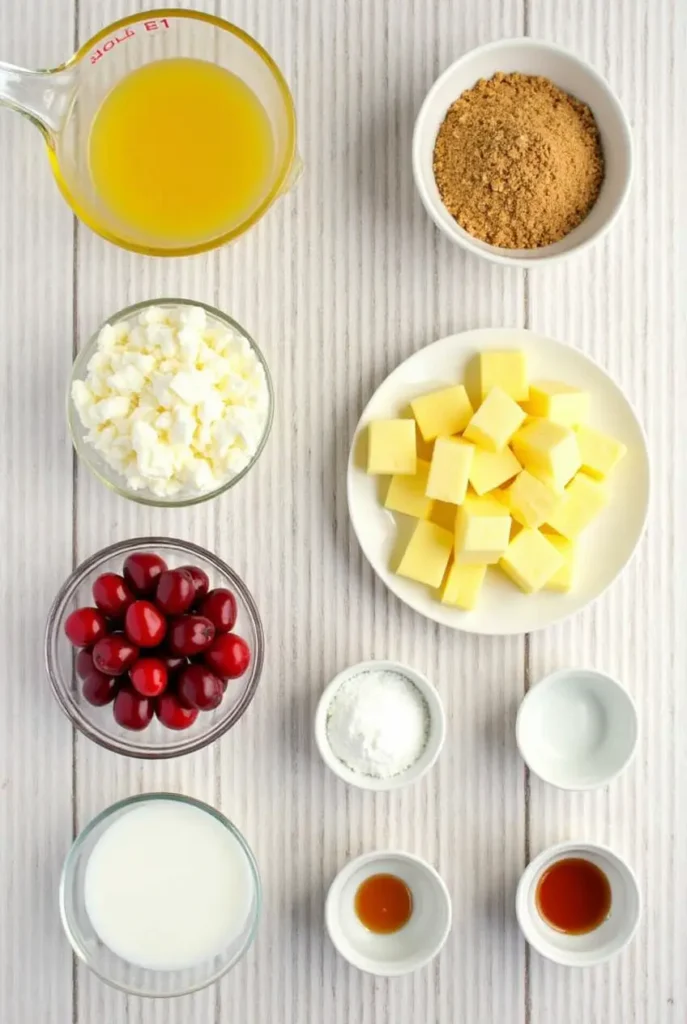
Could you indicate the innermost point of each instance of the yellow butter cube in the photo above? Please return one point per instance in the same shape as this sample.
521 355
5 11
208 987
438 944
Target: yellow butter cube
427 554
531 501
600 452
506 370
562 580
448 474
531 560
549 450
582 501
462 586
391 447
558 402
406 494
495 422
443 412
491 469
444 514
482 531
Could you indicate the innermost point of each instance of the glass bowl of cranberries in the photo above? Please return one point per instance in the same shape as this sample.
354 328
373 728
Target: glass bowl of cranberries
154 647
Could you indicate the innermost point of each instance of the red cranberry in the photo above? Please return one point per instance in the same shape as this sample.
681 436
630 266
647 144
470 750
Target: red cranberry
131 710
114 654
99 689
142 571
112 595
199 688
175 592
201 581
190 634
84 664
229 656
220 608
173 714
145 624
148 676
85 626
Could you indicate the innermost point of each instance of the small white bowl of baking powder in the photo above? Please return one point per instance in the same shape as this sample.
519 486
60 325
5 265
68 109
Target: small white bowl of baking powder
380 725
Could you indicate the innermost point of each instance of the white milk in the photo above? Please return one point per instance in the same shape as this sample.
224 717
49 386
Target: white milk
167 886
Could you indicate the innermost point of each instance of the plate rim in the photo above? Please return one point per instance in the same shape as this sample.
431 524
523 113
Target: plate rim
471 337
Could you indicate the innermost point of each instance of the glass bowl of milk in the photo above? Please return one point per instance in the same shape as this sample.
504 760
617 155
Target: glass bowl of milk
160 895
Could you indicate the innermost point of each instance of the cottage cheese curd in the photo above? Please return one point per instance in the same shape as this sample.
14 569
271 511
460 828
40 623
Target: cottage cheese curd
174 401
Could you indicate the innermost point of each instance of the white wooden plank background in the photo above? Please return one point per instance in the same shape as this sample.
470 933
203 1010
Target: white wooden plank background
340 282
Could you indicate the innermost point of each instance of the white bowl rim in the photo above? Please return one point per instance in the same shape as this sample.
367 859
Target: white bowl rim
342 877
549 681
435 740
462 238
534 868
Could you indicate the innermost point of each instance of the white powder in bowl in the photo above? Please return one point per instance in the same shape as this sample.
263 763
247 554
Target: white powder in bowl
378 723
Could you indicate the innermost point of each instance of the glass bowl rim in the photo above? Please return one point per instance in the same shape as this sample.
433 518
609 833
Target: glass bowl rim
92 458
70 709
130 801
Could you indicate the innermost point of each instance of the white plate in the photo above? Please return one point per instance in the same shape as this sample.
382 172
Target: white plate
604 549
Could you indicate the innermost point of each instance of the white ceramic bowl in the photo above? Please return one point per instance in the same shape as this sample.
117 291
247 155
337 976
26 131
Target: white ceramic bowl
435 737
577 729
605 941
412 946
571 74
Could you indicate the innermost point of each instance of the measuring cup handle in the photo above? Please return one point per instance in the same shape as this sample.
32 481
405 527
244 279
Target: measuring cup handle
42 96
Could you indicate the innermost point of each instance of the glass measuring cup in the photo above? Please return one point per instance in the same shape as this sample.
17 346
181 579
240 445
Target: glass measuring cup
64 101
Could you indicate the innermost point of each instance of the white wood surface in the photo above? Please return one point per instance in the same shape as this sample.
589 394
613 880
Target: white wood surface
340 282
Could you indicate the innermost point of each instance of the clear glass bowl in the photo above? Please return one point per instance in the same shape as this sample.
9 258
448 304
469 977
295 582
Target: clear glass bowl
98 722
94 460
106 964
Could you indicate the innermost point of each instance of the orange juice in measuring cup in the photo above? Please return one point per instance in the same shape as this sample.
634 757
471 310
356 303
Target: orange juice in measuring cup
169 133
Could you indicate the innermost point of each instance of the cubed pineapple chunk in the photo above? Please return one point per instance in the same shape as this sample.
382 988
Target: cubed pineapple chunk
391 447
443 412
462 586
506 370
562 580
427 554
482 531
600 452
448 474
582 501
558 402
495 422
406 494
549 451
531 501
531 560
491 469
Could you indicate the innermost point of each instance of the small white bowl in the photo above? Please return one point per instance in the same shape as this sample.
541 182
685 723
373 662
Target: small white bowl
596 946
571 74
412 946
435 737
577 729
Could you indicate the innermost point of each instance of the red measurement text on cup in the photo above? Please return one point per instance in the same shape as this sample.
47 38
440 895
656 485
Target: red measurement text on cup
152 25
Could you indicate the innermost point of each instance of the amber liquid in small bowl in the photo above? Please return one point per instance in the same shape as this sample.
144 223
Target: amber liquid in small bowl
383 903
573 896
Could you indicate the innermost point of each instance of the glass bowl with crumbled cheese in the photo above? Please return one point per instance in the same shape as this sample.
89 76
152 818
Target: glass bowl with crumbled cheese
380 725
170 402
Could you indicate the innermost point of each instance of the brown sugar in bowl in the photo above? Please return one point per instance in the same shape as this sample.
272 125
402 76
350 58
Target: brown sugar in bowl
524 240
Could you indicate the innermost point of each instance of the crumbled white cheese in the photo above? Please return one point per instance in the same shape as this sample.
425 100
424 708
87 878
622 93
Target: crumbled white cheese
174 401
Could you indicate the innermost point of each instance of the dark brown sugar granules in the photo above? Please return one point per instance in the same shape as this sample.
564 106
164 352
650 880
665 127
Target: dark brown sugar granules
518 162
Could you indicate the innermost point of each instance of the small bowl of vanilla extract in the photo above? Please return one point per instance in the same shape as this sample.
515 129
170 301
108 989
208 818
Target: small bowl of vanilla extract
578 904
388 913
